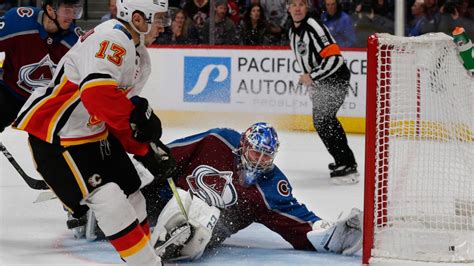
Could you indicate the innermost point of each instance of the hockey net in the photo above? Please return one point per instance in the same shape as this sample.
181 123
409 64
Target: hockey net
419 176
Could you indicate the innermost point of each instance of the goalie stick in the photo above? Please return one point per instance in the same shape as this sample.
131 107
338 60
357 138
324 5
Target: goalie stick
31 182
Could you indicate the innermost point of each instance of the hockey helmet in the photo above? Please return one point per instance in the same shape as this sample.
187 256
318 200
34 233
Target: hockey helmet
149 8
259 145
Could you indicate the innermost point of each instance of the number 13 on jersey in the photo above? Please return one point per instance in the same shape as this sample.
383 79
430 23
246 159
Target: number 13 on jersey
113 52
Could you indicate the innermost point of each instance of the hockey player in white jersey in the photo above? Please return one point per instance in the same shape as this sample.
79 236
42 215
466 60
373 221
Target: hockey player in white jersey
83 124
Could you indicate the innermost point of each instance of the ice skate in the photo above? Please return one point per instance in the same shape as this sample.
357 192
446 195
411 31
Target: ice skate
343 174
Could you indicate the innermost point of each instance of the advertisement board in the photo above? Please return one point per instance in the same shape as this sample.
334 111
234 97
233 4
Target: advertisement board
258 82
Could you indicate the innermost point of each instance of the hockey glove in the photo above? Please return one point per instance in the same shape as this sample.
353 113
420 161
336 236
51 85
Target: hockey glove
158 160
343 237
146 126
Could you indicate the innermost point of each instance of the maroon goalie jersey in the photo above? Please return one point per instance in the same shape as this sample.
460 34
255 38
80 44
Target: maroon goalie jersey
208 167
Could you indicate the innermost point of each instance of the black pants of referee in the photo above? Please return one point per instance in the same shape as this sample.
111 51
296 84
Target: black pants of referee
75 171
327 97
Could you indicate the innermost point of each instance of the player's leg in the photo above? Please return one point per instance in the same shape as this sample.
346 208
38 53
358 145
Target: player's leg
119 206
327 98
81 176
130 183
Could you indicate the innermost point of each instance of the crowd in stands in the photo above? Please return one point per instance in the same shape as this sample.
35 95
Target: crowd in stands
266 22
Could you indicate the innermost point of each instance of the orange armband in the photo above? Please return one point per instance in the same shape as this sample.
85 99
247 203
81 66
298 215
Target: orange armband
330 50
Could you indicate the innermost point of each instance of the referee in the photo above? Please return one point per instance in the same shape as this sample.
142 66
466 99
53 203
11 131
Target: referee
328 77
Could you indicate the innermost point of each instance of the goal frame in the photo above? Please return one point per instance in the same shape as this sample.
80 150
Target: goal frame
370 123
378 125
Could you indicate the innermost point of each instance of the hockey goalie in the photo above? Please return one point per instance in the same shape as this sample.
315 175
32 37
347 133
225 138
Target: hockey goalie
227 181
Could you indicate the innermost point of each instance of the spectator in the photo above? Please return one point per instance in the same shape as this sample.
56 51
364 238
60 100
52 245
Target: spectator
432 15
347 6
384 8
112 11
451 18
182 31
245 4
462 7
431 7
277 17
315 9
470 10
198 11
366 23
234 11
419 22
339 23
253 28
224 28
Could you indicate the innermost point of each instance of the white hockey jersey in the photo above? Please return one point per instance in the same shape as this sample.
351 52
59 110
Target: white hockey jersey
89 93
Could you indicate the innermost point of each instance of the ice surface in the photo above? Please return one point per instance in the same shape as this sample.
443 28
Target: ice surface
35 233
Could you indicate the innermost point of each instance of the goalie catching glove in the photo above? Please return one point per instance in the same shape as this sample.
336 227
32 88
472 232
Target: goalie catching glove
343 237
188 238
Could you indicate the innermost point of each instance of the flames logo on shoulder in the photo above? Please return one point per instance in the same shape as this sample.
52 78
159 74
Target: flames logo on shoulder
213 186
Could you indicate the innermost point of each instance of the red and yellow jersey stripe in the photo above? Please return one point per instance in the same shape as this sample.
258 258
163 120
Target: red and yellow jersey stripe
41 118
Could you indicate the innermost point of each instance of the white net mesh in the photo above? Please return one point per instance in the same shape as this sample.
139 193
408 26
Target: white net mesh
424 203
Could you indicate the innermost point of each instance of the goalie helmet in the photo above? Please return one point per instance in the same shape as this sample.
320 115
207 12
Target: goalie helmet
126 8
259 145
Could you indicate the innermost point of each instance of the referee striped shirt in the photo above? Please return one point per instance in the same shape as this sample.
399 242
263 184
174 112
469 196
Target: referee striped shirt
315 49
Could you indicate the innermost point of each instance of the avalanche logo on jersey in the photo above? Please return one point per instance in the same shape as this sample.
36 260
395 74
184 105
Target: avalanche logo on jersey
207 79
283 188
36 74
213 186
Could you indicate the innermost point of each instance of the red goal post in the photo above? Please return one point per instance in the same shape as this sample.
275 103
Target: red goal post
419 174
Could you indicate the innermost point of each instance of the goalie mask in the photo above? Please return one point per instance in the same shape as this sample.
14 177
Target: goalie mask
258 147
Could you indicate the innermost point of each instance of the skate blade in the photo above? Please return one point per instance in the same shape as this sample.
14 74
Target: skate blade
351 179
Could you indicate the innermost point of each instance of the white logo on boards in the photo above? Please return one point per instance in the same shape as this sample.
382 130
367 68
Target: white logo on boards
204 77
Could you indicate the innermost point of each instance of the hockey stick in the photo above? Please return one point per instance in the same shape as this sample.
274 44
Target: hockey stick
181 234
31 182
178 198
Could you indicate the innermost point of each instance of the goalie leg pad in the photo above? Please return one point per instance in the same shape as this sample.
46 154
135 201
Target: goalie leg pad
343 237
118 220
202 218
